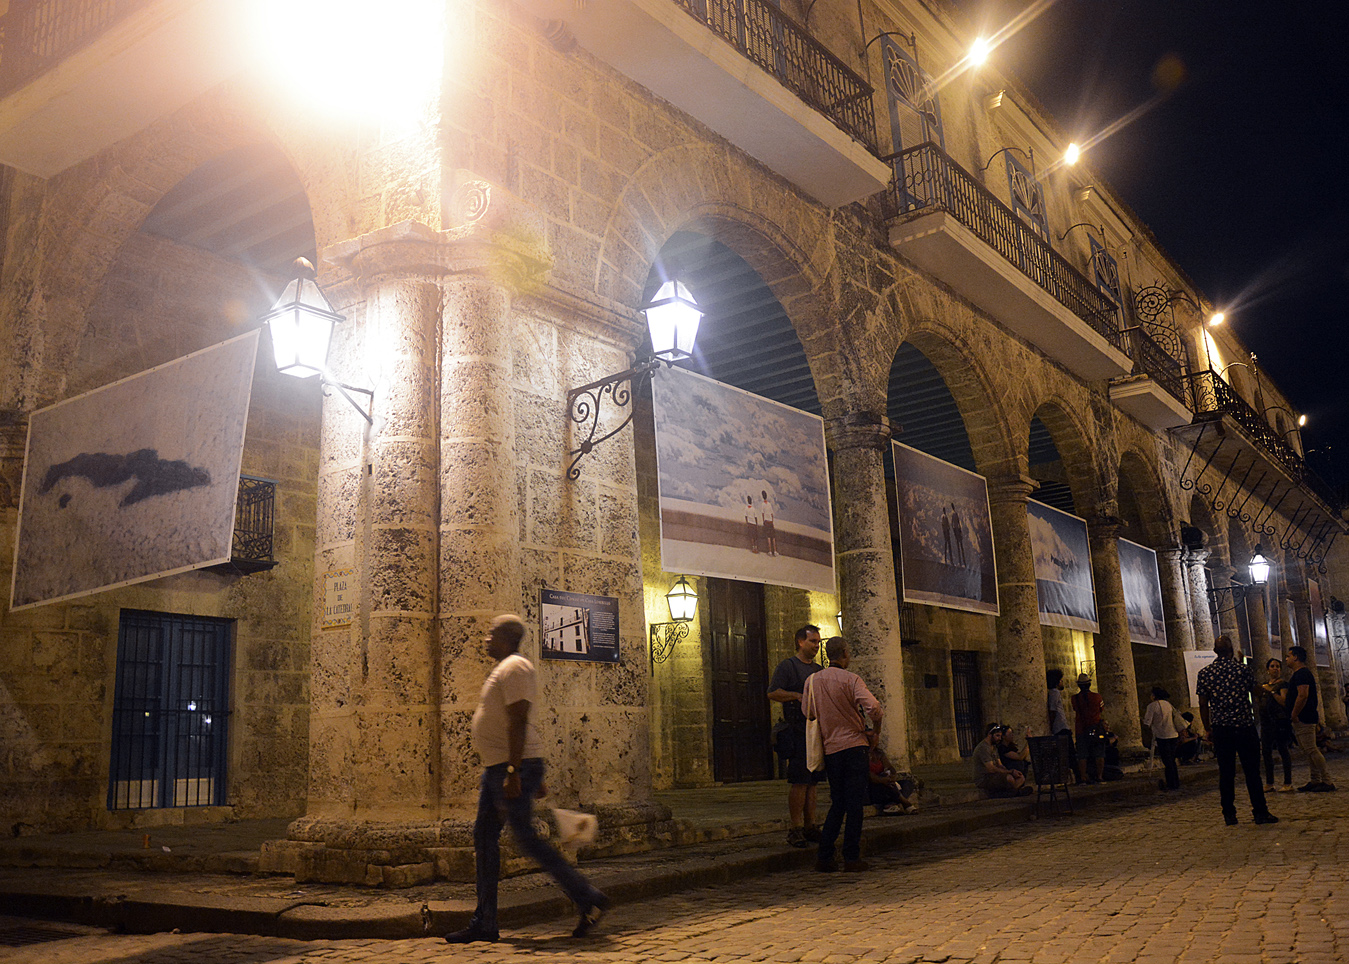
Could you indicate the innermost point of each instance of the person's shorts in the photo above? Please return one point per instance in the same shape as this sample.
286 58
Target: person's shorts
1090 747
796 760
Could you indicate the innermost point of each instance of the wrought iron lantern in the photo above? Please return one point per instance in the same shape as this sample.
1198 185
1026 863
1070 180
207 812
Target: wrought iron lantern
672 319
1259 567
683 603
302 322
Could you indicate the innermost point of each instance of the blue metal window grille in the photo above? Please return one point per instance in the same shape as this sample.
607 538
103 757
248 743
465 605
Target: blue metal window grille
1105 269
1028 198
170 718
915 113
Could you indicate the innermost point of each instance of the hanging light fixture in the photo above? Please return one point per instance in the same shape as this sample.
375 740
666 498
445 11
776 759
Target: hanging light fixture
302 322
1259 567
683 602
672 320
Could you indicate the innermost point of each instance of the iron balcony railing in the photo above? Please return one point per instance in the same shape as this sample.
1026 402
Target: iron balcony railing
927 179
781 46
253 548
35 35
1212 396
1153 360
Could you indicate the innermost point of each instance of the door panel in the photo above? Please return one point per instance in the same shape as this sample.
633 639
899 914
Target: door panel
739 675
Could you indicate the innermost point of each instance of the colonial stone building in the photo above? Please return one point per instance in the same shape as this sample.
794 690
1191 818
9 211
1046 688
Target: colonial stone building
880 233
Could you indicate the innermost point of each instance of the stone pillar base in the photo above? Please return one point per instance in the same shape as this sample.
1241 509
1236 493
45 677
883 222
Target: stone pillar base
322 850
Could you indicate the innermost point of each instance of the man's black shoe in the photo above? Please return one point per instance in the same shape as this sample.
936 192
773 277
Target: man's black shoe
590 916
811 833
1230 819
471 934
1308 787
826 866
1323 788
1266 818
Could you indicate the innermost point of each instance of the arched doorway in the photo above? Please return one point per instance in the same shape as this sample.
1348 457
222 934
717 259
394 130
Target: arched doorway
712 717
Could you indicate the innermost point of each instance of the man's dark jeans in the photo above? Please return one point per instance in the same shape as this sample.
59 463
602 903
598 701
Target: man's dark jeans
847 772
1231 743
495 810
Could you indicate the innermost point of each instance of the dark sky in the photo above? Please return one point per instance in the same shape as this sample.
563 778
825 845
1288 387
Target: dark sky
1242 172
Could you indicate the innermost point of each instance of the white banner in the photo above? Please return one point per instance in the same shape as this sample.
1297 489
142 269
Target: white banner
135 480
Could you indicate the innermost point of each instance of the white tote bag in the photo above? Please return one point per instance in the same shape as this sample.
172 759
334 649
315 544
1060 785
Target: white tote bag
814 738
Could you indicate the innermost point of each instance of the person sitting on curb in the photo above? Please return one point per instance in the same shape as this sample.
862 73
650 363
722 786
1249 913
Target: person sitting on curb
989 773
884 790
1010 756
1187 745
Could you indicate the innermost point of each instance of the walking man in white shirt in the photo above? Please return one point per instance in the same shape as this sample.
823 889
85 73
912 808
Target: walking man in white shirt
512 757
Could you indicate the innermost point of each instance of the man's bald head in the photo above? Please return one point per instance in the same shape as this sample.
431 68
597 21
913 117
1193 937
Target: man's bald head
511 629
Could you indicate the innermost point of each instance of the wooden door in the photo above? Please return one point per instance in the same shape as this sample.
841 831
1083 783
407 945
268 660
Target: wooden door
739 672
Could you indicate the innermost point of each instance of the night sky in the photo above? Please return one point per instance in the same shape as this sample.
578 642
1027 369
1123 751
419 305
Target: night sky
1241 169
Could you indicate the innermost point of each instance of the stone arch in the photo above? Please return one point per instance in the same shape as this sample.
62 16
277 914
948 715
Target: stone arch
1143 480
789 243
91 211
981 409
1074 445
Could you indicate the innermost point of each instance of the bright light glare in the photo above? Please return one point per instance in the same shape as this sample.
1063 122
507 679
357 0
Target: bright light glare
979 51
1301 421
1071 155
1216 319
365 61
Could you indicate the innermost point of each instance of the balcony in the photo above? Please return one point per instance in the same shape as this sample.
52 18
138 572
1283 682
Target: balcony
1154 393
76 76
951 226
1231 438
254 517
749 72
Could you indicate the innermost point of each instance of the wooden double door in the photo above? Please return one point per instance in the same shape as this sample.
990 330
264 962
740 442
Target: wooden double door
739 674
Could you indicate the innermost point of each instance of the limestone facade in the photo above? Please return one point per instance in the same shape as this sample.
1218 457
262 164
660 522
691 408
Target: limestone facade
487 260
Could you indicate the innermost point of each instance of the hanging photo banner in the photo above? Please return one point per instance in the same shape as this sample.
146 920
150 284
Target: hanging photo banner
945 533
1142 593
135 480
1320 635
1062 568
744 485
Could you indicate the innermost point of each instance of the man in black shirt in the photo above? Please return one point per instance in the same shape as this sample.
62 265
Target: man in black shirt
786 686
1305 717
1225 689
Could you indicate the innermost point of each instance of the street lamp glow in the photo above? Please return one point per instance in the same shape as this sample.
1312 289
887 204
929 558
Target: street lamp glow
979 51
1071 155
1216 319
1301 421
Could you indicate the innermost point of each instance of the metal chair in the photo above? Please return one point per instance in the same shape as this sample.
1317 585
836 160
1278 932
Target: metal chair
1050 758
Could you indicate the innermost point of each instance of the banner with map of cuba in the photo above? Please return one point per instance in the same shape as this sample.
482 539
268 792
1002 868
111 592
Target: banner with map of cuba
744 485
135 480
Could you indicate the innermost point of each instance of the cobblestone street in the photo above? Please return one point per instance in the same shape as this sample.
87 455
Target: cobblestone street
1161 883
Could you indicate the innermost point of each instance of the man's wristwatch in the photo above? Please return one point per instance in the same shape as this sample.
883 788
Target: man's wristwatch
510 769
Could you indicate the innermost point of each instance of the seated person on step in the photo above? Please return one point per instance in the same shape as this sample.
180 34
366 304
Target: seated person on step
884 790
1012 757
989 773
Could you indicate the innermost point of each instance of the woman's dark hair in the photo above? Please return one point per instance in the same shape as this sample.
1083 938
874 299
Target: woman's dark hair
1272 660
1053 677
1159 693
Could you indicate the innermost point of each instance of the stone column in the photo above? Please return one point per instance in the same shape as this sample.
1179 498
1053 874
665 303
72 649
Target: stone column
1225 603
1176 609
1114 653
374 752
1201 621
1258 620
1022 693
867 591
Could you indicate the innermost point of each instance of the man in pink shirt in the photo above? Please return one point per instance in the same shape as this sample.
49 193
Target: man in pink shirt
842 703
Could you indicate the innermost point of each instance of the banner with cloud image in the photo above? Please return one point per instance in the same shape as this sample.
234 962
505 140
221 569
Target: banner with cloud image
1142 593
744 485
135 480
945 533
1062 568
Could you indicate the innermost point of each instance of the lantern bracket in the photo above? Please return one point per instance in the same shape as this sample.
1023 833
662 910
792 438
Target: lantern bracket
346 391
584 403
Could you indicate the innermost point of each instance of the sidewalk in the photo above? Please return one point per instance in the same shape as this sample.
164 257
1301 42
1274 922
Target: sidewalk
202 882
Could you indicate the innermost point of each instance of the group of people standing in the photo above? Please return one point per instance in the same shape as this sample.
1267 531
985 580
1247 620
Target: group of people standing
856 767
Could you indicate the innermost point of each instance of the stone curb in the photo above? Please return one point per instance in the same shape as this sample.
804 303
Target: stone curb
387 918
